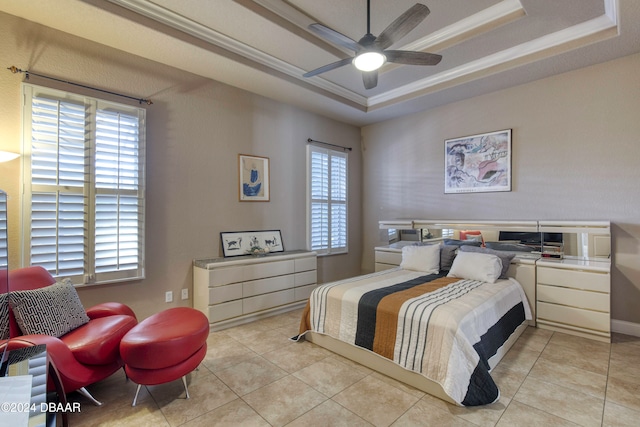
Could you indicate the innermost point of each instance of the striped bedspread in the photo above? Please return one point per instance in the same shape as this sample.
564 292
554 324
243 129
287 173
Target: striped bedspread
444 328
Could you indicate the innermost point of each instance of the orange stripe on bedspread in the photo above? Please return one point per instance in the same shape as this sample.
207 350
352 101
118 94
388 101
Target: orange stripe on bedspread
387 314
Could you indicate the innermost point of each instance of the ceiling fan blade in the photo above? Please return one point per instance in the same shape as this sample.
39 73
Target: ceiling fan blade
370 79
402 25
335 37
328 67
412 58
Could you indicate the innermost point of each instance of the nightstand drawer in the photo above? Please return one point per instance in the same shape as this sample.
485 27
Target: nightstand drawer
574 298
585 280
576 317
394 258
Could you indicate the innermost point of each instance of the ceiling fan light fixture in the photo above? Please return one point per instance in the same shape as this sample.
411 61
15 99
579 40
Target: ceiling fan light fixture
369 61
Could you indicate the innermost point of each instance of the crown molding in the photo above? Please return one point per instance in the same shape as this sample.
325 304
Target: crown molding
594 30
202 32
585 33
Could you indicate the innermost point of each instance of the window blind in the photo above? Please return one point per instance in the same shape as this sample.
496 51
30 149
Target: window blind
85 201
327 174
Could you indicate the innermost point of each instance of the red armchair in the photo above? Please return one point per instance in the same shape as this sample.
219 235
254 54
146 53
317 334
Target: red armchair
84 355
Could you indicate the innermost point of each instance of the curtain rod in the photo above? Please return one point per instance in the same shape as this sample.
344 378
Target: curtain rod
326 143
15 70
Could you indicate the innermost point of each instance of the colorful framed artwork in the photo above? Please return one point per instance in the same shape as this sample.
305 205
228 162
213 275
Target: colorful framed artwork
478 163
236 243
253 178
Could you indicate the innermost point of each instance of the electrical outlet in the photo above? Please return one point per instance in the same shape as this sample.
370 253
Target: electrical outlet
185 293
168 296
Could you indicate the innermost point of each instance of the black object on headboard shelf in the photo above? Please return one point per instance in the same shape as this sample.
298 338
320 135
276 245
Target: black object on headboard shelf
530 238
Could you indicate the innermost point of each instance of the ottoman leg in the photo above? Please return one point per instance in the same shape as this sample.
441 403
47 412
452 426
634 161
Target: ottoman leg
184 381
135 398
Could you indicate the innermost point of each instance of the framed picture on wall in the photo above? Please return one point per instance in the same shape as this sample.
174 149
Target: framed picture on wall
253 178
478 163
236 243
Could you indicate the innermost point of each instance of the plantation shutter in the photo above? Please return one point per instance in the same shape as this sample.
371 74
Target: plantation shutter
85 202
327 200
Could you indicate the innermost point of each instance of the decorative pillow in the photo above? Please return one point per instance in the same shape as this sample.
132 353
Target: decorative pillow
476 266
4 317
471 235
462 242
505 257
53 310
447 255
421 258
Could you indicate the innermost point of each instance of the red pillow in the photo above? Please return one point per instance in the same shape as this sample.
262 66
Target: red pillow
464 235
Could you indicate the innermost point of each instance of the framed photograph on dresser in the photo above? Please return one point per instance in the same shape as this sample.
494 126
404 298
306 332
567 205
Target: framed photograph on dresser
478 163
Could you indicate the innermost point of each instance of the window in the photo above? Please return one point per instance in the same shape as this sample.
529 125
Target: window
84 186
327 200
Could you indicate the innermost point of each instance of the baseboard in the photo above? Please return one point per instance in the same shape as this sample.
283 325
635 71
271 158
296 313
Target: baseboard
626 328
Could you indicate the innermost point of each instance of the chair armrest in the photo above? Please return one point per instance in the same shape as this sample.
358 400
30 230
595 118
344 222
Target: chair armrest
58 351
109 309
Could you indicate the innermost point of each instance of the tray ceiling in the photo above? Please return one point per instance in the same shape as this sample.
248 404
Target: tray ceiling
264 46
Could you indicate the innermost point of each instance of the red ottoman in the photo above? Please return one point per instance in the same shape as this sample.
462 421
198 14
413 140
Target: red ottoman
165 347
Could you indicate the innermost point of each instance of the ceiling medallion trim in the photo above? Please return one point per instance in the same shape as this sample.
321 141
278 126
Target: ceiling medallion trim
597 29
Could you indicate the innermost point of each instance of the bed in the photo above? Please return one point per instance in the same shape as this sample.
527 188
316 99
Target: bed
441 330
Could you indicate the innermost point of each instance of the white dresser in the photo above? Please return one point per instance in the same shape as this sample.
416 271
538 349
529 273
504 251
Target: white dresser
232 291
574 296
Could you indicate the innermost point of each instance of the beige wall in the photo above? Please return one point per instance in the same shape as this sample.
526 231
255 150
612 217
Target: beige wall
576 148
196 129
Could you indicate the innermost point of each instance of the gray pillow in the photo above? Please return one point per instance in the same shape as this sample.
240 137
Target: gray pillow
447 255
505 257
53 310
462 242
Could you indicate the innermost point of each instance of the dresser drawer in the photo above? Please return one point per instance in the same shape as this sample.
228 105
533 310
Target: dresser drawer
221 294
394 258
576 279
263 286
263 302
303 292
224 276
225 311
574 298
306 278
306 264
268 269
572 316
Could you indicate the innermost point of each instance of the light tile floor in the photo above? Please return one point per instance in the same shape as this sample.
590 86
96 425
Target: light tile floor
254 376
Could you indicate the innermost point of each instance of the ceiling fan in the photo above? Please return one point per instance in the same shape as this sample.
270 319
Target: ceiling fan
371 51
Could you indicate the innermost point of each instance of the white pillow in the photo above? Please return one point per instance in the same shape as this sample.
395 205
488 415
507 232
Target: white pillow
476 266
421 258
